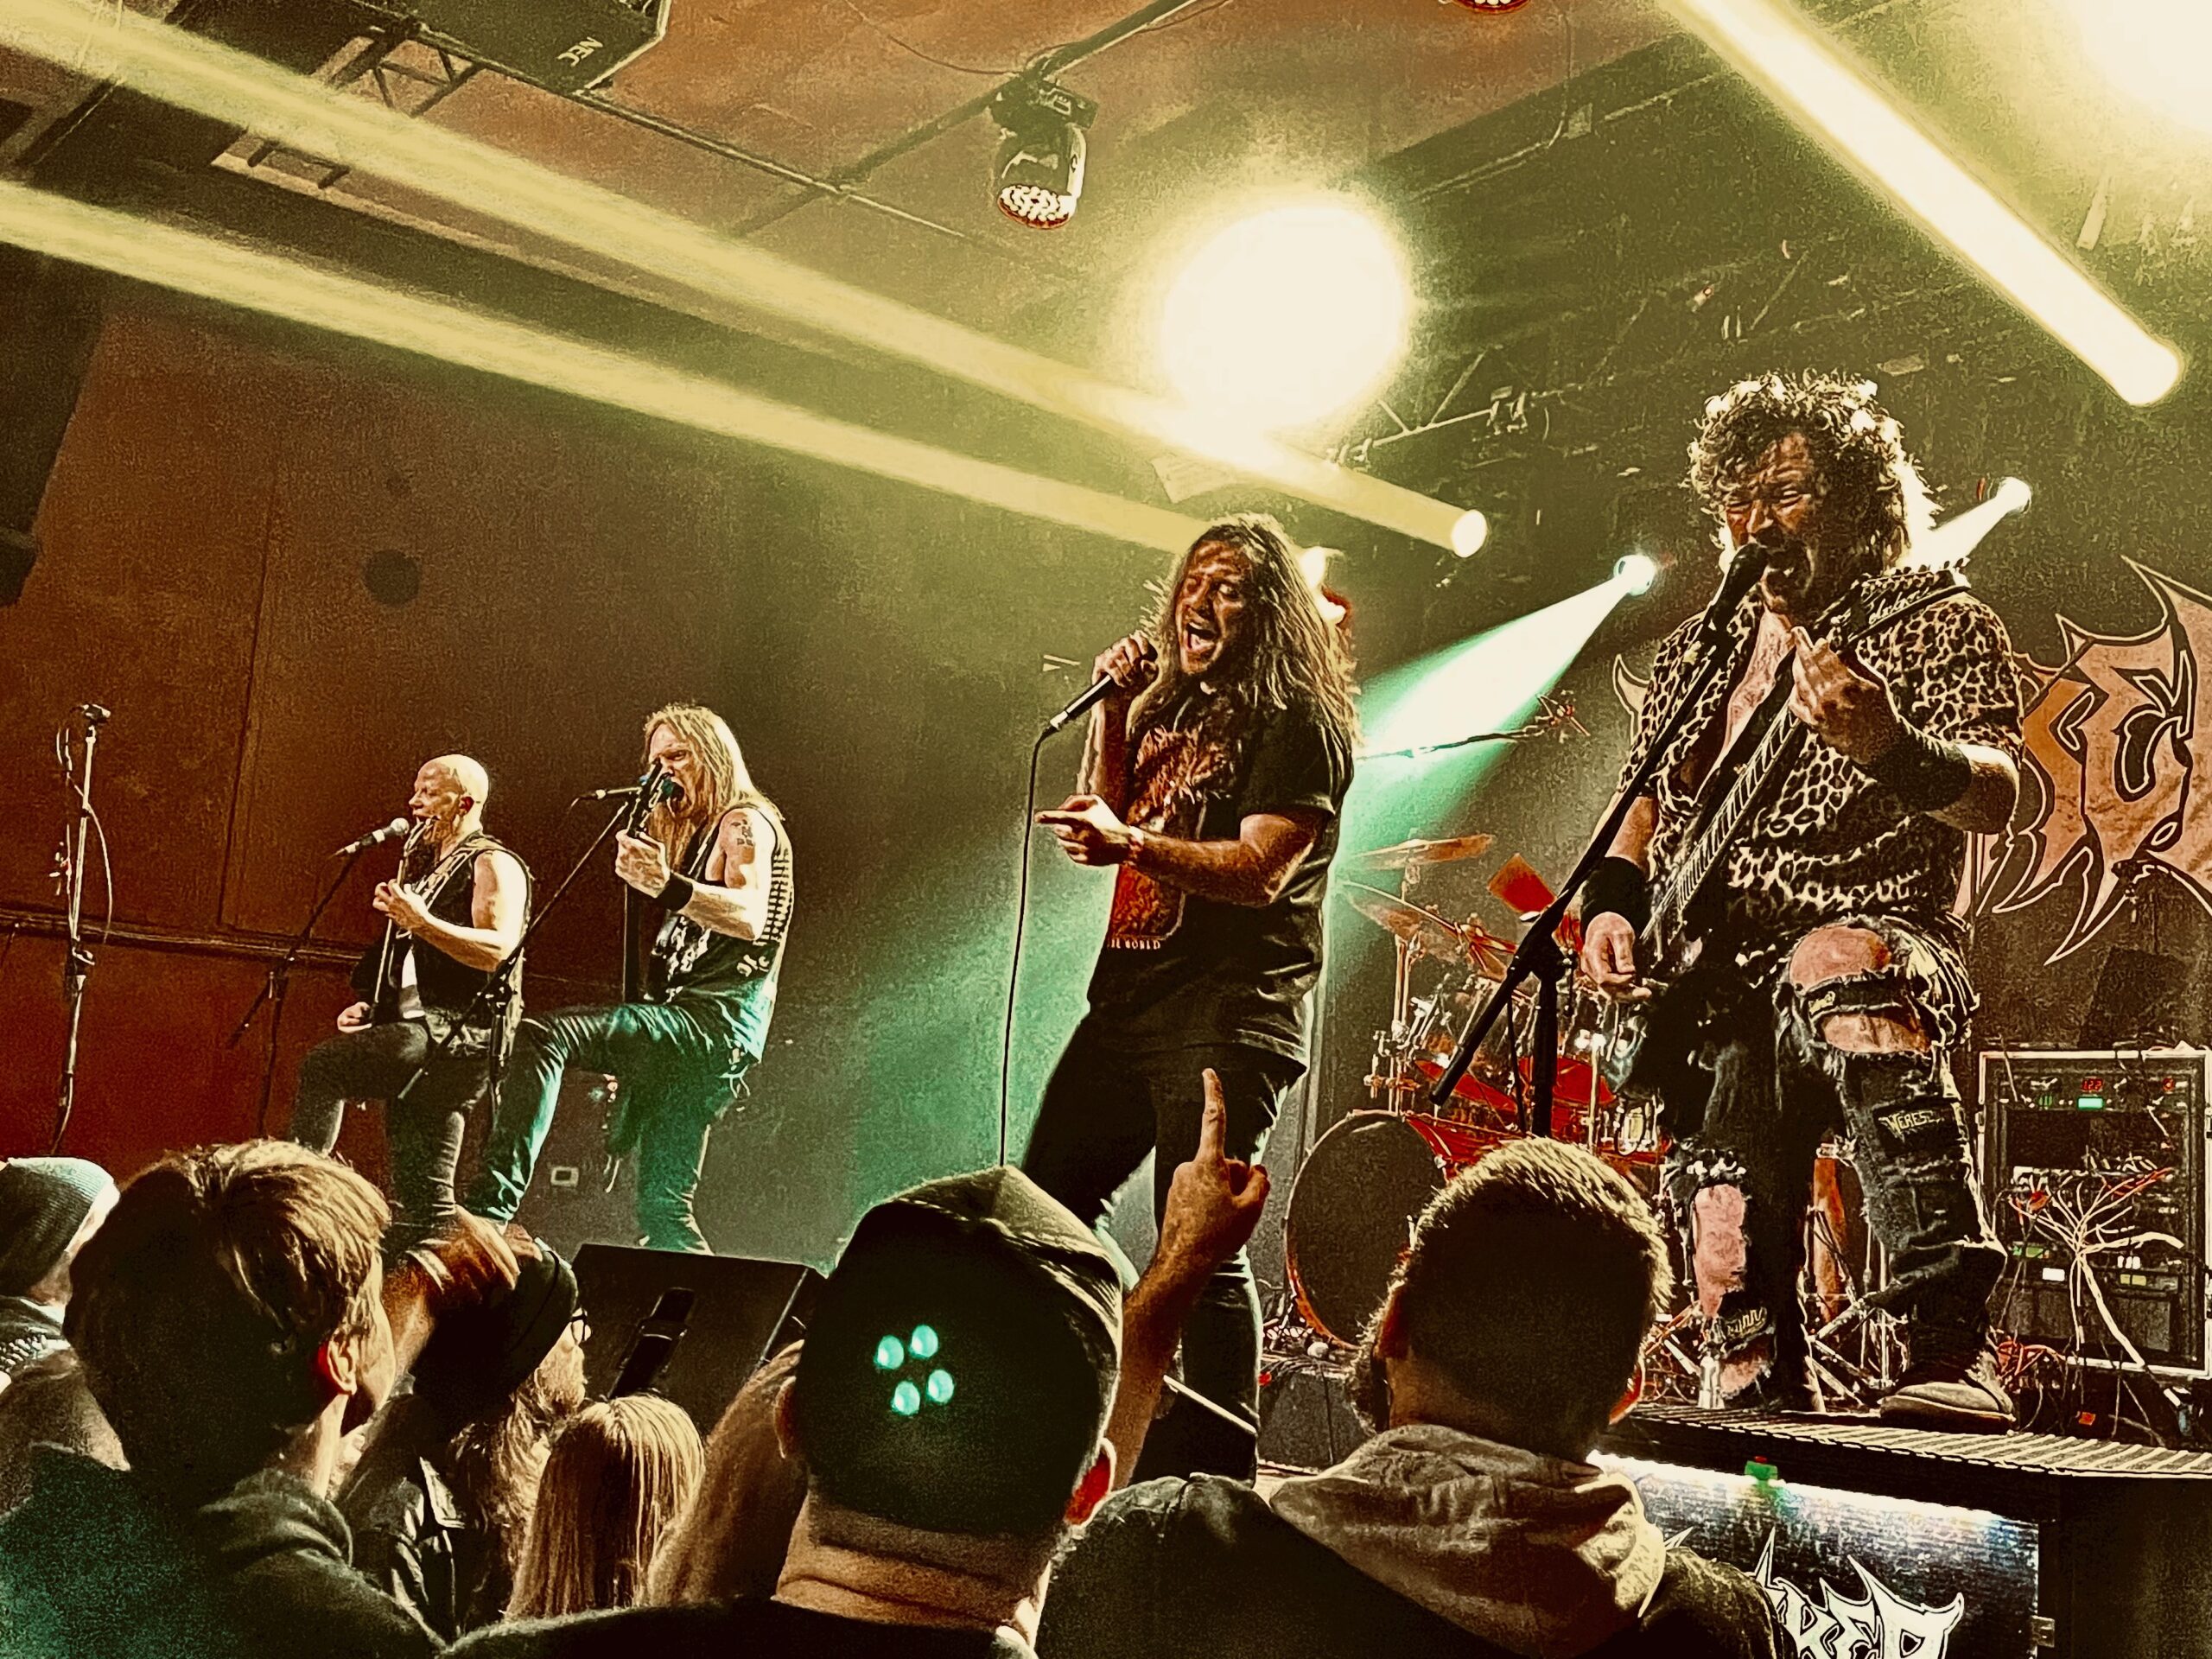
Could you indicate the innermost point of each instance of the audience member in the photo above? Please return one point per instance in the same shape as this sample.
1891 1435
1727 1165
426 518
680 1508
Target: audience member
950 1406
1472 1524
440 1500
232 1321
48 1208
732 1537
618 1476
50 1405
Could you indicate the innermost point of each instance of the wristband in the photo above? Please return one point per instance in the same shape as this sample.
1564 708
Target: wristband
678 894
1616 888
1925 773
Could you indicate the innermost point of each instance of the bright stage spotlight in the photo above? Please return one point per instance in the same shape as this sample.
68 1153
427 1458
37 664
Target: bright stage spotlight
1634 574
1038 177
2160 51
2013 493
1469 531
249 278
1288 315
1773 47
1956 536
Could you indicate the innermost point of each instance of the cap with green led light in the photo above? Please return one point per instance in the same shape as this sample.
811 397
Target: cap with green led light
962 1359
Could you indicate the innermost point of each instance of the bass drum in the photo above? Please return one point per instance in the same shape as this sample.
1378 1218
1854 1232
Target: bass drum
1353 1205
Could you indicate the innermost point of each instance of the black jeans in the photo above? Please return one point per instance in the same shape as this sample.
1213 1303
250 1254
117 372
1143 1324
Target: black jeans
676 1077
1778 1088
1104 1108
423 1131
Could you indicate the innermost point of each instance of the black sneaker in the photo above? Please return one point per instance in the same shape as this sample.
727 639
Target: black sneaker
1951 1386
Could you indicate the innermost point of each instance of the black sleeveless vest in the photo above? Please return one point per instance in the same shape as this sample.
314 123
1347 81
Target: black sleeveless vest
736 977
447 987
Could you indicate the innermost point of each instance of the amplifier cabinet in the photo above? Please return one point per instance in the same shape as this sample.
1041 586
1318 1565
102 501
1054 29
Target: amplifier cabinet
2095 1169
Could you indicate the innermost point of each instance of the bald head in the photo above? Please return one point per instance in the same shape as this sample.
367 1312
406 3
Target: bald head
466 774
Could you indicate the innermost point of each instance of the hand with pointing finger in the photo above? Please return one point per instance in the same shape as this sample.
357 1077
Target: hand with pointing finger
1213 1201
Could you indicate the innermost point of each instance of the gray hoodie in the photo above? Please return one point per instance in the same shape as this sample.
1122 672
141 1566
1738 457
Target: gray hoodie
1538 1554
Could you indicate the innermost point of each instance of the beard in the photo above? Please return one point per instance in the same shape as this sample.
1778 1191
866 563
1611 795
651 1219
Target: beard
1801 580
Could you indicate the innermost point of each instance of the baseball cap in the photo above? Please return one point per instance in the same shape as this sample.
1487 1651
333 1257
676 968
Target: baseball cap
962 1360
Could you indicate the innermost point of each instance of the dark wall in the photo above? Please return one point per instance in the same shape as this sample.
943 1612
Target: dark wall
878 650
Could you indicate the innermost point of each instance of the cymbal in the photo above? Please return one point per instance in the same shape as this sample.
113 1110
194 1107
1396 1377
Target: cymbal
1422 852
1422 929
1487 954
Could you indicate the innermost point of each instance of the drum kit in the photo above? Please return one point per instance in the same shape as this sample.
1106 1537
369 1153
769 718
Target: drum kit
1357 1193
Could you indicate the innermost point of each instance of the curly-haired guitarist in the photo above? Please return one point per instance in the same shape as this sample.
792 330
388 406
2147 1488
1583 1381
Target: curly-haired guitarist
1829 989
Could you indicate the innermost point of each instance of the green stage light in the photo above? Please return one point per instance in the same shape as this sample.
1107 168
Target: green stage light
924 1345
890 1355
939 1387
905 1399
1635 573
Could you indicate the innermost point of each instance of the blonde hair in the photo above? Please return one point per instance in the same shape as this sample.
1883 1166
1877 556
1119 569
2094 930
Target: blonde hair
733 1534
721 765
616 1479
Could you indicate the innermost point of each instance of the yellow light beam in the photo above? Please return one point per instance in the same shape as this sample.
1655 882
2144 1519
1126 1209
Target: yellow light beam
1774 50
232 273
176 67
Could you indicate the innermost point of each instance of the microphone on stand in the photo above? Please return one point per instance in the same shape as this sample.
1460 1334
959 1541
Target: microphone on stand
1089 698
92 713
375 837
621 794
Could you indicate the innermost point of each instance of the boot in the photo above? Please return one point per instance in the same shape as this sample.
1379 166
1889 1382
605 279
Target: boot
1951 1385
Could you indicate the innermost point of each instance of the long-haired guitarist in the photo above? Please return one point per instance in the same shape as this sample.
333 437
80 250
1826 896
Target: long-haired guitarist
452 914
716 862
1829 989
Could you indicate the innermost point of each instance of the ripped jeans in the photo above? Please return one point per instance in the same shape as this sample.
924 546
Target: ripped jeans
1740 1168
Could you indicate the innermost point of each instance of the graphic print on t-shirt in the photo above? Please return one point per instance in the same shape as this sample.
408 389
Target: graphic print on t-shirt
1177 770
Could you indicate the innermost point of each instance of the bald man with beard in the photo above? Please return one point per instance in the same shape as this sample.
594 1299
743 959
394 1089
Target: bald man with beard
455 911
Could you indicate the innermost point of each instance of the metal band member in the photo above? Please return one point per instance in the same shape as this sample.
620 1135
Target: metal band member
717 858
455 911
1832 989
1213 781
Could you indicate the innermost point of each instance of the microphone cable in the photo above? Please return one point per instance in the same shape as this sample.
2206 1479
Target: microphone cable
1021 923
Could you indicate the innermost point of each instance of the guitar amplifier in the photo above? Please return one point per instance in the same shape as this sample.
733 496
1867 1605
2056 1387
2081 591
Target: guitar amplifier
561 45
2095 1169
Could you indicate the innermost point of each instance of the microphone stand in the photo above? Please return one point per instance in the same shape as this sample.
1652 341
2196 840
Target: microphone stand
1538 957
77 963
499 986
273 988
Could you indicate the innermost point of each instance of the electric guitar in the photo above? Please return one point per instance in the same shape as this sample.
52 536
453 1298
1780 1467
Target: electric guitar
1685 905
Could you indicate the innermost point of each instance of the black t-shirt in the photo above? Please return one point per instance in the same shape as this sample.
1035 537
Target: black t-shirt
730 1630
1179 1567
1177 970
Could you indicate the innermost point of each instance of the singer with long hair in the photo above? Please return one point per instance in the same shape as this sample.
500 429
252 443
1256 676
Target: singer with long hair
714 856
1212 783
466 898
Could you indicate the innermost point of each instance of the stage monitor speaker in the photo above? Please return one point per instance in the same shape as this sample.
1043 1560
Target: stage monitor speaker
577 1197
689 1328
2112 1140
561 45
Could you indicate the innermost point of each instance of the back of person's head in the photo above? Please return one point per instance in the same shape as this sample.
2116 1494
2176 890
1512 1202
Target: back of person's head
733 1537
958 1373
1530 1287
614 1482
47 1208
205 1306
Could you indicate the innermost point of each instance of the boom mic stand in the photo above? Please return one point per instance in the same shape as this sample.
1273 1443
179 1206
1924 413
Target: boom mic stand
1538 957
77 963
279 981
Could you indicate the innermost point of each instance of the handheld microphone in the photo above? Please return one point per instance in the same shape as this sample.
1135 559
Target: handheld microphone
1089 698
375 838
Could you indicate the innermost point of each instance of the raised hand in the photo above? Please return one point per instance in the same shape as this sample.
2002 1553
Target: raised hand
1213 1201
1847 707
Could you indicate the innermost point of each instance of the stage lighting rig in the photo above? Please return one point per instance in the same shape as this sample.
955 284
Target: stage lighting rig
1635 573
1492 6
1038 177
